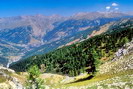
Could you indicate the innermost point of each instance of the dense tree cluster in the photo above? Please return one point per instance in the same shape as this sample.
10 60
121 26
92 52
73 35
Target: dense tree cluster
79 57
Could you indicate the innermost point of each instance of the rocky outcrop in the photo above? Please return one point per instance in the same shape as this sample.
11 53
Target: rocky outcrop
126 49
8 81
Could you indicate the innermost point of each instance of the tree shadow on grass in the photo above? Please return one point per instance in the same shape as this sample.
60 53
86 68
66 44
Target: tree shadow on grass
80 80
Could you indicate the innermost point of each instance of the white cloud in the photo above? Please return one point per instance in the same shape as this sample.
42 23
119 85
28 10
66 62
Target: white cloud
116 8
114 4
108 7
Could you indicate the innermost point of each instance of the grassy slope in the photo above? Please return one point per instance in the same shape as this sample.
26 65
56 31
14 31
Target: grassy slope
108 76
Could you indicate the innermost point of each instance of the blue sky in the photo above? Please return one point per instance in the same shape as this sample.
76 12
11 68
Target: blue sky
61 7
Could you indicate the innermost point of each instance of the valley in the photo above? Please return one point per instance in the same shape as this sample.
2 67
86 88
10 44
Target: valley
66 44
25 36
77 52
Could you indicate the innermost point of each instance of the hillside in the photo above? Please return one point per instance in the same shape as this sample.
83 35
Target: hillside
112 74
116 74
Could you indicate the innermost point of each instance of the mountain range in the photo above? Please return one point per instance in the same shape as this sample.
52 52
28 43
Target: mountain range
25 36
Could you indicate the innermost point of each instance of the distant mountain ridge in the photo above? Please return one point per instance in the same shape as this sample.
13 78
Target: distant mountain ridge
31 35
40 24
95 15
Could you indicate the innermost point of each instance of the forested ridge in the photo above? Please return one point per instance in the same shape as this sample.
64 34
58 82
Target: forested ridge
80 57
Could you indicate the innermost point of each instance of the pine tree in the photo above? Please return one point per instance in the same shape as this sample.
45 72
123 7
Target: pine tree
124 40
96 60
33 80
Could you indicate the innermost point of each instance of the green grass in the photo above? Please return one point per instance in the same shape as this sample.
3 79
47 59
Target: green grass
92 82
2 79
